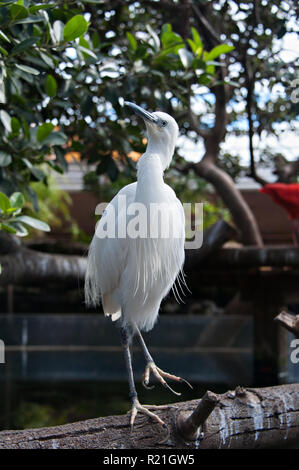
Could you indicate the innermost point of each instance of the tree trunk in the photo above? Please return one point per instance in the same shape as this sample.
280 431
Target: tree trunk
23 266
233 199
241 419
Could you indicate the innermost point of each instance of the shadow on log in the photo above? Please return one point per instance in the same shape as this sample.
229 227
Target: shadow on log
240 419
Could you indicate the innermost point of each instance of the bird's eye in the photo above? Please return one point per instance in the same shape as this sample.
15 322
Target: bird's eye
164 123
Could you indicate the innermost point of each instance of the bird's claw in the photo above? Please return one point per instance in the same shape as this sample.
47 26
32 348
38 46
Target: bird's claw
137 407
147 386
145 379
159 374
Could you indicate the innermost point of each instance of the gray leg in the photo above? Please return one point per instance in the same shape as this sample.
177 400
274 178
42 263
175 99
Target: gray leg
124 335
136 406
157 372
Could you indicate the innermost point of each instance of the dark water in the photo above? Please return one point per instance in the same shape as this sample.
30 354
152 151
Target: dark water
32 405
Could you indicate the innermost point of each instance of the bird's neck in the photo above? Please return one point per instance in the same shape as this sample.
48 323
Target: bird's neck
164 148
150 180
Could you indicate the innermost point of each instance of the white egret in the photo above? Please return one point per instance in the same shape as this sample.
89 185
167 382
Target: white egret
131 275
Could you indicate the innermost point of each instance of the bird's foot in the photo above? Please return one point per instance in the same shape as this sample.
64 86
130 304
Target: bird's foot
145 409
159 374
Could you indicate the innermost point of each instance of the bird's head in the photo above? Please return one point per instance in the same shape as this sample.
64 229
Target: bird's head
162 132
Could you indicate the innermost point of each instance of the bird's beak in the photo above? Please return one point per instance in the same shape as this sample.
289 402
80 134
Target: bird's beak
142 112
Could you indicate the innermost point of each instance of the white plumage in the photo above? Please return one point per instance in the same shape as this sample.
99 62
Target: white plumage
132 275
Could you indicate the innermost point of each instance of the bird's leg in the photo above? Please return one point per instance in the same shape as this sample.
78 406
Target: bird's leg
136 406
157 372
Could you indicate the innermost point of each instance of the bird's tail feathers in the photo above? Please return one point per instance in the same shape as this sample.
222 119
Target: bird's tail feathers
92 287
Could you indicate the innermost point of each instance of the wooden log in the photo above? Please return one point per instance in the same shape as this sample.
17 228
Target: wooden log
213 238
274 256
29 267
241 419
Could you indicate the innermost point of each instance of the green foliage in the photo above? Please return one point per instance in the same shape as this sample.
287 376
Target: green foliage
51 93
66 66
11 219
54 206
34 41
74 28
192 189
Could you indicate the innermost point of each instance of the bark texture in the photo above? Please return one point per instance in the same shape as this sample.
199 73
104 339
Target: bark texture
241 419
23 266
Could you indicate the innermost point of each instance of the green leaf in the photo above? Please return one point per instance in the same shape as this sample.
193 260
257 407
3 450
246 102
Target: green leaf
186 57
5 159
37 173
231 82
3 36
57 31
75 27
15 125
60 157
22 46
8 227
51 86
196 37
44 131
83 42
25 126
48 60
29 21
19 228
171 41
6 120
18 12
3 51
17 200
4 202
154 36
95 38
56 138
27 69
32 222
38 7
132 40
217 51
87 52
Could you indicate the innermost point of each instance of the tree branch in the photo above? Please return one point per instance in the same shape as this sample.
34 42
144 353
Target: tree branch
206 28
213 238
30 267
189 425
232 198
195 126
249 79
241 419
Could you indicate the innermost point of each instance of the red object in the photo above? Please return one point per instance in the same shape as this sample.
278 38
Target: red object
286 195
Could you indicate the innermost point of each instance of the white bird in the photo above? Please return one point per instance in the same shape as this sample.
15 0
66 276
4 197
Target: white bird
131 274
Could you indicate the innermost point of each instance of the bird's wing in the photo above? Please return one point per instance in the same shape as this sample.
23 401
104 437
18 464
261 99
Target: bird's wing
107 256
